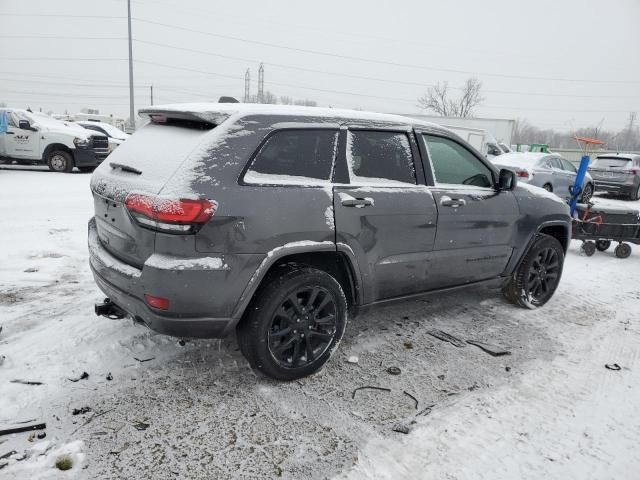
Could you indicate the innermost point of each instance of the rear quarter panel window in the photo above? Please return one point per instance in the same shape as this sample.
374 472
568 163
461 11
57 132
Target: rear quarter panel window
294 157
380 157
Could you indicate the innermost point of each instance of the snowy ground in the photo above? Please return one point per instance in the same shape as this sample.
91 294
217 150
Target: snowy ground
550 409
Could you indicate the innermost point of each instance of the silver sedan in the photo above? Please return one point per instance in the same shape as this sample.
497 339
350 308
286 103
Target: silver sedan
547 170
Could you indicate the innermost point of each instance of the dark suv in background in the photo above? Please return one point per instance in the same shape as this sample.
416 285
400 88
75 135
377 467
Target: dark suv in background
617 173
277 221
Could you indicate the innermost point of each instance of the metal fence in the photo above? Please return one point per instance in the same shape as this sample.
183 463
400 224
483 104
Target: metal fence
574 154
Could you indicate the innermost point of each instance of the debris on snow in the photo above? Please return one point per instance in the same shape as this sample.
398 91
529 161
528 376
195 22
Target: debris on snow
613 366
142 360
64 463
83 376
412 398
408 345
492 350
27 382
369 387
393 370
353 359
401 428
446 337
141 425
425 411
23 428
81 410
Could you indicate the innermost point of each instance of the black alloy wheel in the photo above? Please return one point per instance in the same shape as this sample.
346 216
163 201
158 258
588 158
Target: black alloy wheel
294 323
544 273
303 328
538 275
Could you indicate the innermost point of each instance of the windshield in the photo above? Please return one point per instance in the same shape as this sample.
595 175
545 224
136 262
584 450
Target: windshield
110 129
611 163
46 121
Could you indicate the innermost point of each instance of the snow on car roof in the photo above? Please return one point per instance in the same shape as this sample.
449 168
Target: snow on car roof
221 111
523 159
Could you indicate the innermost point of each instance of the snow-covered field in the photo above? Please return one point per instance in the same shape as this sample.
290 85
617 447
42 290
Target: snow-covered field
549 410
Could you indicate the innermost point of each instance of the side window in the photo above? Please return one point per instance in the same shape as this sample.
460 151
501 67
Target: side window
380 157
294 157
12 120
454 164
567 165
555 163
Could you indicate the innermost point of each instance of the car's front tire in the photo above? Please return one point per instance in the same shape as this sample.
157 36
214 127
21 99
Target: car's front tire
535 280
587 193
60 161
294 324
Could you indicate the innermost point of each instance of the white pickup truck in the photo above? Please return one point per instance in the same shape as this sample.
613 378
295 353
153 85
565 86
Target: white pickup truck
36 138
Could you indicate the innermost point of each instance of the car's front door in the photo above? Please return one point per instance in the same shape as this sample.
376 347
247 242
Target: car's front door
476 223
21 143
384 213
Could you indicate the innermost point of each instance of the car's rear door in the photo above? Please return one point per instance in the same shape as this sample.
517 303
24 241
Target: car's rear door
384 212
562 179
476 223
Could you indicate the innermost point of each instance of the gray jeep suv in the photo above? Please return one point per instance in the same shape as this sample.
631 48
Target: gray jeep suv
276 222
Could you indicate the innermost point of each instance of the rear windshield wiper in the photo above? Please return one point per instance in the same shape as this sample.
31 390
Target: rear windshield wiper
125 168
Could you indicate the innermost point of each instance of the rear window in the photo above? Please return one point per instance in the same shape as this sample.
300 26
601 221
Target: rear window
380 157
293 157
611 163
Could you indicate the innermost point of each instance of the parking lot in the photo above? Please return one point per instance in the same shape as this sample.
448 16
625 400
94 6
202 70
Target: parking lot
156 407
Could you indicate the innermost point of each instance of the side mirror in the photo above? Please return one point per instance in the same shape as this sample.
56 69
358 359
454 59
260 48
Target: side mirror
24 125
507 180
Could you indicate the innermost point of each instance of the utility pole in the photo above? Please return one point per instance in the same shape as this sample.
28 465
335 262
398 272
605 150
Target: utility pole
247 86
151 87
132 113
261 83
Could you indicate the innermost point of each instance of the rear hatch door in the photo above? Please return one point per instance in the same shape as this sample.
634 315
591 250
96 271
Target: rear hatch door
611 169
143 164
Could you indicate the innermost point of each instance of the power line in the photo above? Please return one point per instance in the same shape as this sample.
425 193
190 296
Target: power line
59 15
362 77
63 59
379 62
61 37
338 92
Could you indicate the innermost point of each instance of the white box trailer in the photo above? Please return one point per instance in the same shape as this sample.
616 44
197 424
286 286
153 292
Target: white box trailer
500 129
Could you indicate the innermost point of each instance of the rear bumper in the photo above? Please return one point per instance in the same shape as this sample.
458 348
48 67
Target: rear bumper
89 157
190 327
203 295
622 188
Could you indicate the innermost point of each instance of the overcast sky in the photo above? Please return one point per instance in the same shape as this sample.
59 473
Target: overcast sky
559 64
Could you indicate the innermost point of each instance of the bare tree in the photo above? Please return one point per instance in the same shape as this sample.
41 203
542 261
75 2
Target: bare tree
437 99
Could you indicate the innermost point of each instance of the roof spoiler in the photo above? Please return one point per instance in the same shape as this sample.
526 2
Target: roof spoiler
197 119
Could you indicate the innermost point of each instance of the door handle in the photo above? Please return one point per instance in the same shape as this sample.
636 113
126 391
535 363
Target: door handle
348 201
452 202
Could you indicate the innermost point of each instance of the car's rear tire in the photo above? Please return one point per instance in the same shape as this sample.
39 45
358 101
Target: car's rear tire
635 195
294 324
538 275
548 187
587 193
60 161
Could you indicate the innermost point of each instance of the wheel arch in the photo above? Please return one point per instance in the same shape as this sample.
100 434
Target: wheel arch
57 146
321 255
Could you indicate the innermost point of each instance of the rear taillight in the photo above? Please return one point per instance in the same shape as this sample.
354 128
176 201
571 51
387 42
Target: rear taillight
633 171
170 215
156 302
522 173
